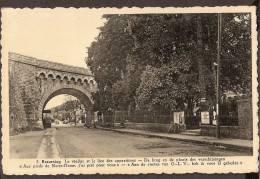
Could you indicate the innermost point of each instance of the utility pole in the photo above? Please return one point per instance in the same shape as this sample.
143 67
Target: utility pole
218 76
201 63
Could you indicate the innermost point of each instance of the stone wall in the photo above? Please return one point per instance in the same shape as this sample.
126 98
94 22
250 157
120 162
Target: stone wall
32 83
21 95
156 127
44 64
244 130
245 118
225 131
148 126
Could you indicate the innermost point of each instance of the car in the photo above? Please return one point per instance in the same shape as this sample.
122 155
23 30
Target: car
65 121
47 122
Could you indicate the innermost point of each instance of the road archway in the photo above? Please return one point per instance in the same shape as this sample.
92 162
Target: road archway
34 82
77 91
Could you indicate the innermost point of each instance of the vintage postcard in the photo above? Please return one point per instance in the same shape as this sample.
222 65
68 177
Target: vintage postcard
129 91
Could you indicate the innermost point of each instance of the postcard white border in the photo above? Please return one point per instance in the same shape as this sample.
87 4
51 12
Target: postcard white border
250 163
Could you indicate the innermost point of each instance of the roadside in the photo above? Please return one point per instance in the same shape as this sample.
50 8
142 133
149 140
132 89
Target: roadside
26 145
67 125
224 142
78 141
35 144
49 147
82 142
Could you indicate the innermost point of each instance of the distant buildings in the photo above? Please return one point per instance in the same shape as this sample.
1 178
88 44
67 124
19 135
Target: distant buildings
77 113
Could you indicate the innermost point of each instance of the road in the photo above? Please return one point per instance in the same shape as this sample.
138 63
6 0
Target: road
82 142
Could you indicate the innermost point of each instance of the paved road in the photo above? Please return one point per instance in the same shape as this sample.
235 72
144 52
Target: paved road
81 142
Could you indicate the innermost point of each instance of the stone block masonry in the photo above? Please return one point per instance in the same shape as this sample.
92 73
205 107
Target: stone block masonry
245 118
33 82
44 64
21 95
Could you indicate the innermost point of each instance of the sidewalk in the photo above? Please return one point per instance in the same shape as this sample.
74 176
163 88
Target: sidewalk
26 145
225 142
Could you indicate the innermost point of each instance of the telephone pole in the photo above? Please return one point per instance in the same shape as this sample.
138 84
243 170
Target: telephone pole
218 77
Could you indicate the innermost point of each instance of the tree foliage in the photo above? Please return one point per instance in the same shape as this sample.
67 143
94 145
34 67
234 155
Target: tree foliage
69 105
157 61
107 58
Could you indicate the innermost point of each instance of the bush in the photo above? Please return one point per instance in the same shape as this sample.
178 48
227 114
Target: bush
107 124
151 117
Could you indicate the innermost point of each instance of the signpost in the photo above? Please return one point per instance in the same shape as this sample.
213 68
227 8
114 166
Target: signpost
205 117
179 117
46 111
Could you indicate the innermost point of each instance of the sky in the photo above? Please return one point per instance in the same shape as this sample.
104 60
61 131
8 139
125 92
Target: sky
56 35
60 98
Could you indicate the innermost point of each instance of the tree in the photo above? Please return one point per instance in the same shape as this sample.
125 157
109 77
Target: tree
166 43
71 103
167 89
161 39
67 115
107 58
236 54
167 60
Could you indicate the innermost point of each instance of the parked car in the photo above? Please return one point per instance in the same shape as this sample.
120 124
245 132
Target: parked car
65 121
47 122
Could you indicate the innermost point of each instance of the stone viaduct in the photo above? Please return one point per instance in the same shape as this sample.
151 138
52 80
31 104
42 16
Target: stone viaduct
34 82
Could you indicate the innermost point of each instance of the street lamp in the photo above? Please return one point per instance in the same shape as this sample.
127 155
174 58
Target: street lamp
75 113
218 76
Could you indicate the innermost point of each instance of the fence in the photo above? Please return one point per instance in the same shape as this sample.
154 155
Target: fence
192 122
228 118
151 117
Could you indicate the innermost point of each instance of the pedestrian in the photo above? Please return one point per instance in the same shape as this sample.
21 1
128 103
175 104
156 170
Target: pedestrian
171 127
174 127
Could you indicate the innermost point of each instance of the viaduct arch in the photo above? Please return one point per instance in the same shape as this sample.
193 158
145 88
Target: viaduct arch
33 83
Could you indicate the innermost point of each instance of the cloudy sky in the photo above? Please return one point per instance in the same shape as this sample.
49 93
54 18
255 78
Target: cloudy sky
56 35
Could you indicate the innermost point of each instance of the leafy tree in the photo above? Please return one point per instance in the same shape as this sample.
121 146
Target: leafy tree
107 58
167 88
70 104
161 39
236 54
169 45
167 60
